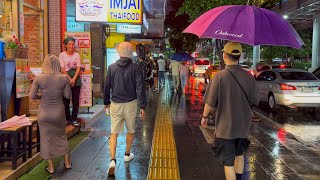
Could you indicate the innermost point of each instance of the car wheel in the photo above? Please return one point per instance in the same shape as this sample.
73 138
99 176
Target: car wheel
272 102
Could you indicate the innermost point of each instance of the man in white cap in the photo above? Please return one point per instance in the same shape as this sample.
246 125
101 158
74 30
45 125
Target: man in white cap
126 84
231 93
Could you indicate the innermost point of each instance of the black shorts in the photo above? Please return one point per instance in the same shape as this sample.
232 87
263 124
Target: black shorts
227 149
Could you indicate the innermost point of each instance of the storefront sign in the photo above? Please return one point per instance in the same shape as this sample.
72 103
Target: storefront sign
112 11
91 10
128 29
73 26
112 56
114 39
85 99
23 83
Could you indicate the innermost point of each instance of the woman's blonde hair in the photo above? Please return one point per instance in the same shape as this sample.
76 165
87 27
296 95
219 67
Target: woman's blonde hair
51 64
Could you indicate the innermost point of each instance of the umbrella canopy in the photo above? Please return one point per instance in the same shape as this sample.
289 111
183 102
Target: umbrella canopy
245 24
180 56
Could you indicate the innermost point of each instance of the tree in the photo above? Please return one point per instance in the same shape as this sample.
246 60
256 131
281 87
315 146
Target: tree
175 24
270 52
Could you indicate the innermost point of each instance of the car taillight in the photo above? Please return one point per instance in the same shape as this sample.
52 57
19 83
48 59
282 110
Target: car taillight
282 66
287 87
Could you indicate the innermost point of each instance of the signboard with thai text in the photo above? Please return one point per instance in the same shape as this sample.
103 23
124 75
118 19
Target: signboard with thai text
112 11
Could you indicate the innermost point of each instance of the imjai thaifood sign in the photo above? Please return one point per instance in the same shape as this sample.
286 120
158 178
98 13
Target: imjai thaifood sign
115 11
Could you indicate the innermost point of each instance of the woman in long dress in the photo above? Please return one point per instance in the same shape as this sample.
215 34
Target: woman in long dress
51 115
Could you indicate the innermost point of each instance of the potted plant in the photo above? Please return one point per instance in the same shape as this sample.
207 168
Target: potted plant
11 47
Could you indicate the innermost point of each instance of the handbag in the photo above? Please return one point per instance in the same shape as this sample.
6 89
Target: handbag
252 113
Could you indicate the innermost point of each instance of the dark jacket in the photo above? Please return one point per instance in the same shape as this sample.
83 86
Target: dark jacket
125 83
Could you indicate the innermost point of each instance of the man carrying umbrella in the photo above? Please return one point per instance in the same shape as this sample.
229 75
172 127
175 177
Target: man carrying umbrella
231 93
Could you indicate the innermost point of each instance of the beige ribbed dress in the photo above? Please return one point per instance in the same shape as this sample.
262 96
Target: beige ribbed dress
51 115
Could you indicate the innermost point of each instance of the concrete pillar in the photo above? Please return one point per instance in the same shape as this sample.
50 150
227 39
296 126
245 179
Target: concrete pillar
315 43
256 57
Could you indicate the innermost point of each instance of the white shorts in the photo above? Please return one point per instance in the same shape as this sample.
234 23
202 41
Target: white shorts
123 112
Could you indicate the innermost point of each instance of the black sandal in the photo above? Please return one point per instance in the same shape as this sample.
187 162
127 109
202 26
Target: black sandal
47 169
66 166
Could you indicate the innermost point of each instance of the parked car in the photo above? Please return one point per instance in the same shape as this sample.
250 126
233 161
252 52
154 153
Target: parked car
289 87
200 65
247 68
267 67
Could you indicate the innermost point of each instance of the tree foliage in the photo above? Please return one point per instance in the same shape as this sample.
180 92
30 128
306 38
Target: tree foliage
180 42
270 52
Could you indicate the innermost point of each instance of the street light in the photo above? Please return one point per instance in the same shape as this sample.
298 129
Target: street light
285 16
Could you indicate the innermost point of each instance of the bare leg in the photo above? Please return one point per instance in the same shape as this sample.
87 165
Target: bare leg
129 140
50 165
67 160
229 172
239 164
113 145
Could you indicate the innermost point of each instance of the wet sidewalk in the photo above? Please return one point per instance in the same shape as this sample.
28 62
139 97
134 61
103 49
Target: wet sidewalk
273 153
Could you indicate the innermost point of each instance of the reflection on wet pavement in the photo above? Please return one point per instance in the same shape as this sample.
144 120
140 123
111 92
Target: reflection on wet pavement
275 151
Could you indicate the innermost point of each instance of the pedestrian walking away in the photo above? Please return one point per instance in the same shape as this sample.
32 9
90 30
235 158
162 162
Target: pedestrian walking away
126 84
162 69
70 65
51 115
155 74
231 93
175 66
184 72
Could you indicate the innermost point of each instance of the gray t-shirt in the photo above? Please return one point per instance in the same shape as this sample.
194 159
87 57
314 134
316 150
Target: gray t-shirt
162 64
233 114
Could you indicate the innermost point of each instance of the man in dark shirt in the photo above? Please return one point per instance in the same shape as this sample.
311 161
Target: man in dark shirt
125 83
231 94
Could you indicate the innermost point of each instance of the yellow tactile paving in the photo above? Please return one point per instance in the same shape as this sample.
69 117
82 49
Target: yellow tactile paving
163 159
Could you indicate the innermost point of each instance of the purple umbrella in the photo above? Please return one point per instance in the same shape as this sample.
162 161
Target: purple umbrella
245 24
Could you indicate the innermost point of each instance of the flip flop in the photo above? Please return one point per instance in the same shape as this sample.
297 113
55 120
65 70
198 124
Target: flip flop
66 167
47 169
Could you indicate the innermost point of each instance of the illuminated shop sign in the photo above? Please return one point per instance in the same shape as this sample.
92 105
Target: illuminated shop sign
125 11
128 29
112 11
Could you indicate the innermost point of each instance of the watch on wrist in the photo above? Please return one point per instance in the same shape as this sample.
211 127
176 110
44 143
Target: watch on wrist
204 116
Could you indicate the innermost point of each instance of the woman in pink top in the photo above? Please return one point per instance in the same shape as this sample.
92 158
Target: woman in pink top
184 72
70 65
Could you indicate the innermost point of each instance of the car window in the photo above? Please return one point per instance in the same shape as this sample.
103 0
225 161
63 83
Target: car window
297 76
317 73
262 76
271 76
263 68
202 62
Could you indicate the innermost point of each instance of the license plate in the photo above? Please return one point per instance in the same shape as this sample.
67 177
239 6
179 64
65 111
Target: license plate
306 90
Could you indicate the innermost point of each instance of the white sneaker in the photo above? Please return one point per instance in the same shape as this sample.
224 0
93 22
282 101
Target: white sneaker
128 158
112 168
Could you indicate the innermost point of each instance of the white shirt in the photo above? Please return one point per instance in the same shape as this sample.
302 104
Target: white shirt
162 64
69 61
